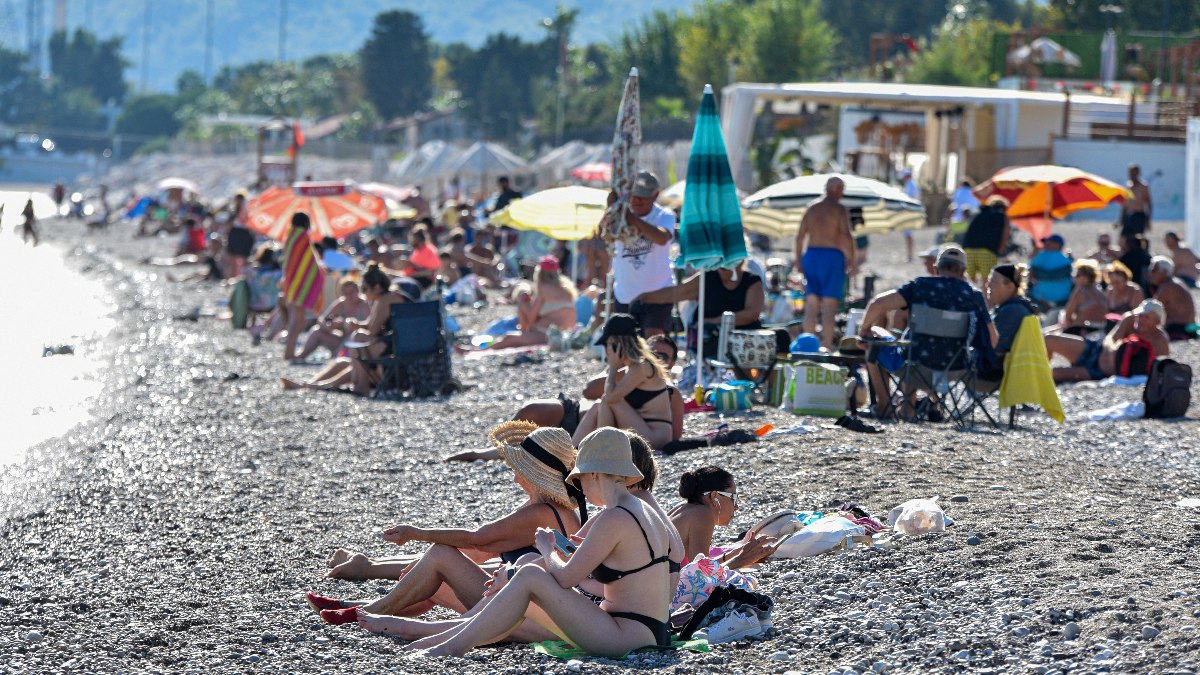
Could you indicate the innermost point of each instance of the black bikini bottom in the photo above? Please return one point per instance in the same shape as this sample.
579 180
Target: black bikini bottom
661 630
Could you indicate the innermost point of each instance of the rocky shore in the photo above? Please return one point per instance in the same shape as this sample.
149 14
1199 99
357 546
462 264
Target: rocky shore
178 532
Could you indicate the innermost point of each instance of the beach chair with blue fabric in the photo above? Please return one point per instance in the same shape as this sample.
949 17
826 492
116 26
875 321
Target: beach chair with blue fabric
417 361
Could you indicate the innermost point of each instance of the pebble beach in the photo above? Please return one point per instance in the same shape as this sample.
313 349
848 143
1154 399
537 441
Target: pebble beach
179 529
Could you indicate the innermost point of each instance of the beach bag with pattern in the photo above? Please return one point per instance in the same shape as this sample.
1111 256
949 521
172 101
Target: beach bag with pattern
700 577
752 348
734 395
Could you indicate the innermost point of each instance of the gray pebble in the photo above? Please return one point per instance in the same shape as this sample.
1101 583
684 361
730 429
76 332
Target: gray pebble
1020 631
964 655
1071 631
973 541
780 656
999 488
960 499
33 636
1150 632
880 667
269 637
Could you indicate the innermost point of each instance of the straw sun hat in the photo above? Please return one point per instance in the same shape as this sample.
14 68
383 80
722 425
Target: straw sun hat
520 443
606 450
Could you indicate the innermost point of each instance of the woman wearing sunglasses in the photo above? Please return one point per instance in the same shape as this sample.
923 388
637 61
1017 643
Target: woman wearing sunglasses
712 500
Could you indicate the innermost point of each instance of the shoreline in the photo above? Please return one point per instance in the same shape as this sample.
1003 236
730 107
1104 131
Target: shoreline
179 530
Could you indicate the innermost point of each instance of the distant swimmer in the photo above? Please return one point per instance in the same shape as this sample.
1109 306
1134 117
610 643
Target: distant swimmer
29 228
824 251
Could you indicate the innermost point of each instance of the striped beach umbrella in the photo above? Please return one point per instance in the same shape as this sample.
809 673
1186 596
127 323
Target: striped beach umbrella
335 209
1038 194
710 227
776 210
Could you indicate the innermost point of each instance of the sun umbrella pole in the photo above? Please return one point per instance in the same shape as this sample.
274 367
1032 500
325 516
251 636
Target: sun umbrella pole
608 295
700 338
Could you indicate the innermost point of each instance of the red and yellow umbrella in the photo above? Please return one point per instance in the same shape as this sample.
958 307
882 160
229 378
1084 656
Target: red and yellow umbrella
1036 194
336 209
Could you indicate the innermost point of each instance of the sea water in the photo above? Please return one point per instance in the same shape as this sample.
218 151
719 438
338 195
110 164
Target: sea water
45 305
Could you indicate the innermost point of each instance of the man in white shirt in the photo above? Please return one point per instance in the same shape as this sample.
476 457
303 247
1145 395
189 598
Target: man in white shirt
643 263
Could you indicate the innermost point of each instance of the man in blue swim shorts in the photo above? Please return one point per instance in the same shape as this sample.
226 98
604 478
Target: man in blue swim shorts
824 252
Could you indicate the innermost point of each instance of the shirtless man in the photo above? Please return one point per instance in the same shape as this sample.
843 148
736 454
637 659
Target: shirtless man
1096 360
1184 258
1176 300
1135 212
1104 253
483 259
824 251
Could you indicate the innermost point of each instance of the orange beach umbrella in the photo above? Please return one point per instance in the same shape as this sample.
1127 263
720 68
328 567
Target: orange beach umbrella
1036 194
335 209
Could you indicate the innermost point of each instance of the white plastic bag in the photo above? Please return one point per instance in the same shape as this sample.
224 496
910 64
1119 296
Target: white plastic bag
917 516
817 538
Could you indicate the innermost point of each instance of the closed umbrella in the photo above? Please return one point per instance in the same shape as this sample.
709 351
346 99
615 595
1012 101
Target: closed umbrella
1108 57
335 209
776 210
710 227
1036 194
627 138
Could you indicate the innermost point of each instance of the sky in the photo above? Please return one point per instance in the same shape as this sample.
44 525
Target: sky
248 30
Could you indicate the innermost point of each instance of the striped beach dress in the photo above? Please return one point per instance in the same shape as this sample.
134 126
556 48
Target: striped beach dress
303 278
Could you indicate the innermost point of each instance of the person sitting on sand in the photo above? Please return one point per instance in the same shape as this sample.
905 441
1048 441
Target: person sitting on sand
423 262
1184 258
1176 300
551 305
1097 359
1006 288
625 549
352 371
637 392
530 631
565 412
1122 295
332 330
540 458
1087 306
712 500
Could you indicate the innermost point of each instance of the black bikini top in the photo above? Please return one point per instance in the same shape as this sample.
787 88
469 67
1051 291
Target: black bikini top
640 397
606 575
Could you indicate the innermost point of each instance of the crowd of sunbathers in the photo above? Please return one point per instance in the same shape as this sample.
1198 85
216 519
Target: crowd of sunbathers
588 556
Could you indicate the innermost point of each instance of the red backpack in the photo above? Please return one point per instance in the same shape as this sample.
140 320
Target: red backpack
1135 356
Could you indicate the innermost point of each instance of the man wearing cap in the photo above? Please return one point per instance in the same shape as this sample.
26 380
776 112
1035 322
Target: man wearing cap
824 252
643 262
986 238
1051 272
929 260
949 291
1177 303
1097 359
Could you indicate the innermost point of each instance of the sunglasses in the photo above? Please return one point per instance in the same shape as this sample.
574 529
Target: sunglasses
733 497
663 356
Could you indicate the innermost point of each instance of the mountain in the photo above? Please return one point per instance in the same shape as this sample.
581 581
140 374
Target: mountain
248 30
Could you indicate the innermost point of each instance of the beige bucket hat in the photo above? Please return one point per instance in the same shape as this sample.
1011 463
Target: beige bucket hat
606 450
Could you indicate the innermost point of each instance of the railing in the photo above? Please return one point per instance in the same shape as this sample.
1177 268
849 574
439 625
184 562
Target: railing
1155 122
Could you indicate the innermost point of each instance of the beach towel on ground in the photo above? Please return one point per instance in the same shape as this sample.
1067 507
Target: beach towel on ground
1027 375
562 650
303 279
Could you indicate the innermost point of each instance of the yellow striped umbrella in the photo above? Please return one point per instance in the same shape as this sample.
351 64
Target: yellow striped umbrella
564 213
776 210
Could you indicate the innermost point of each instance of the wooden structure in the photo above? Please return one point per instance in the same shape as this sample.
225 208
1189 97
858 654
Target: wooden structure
277 169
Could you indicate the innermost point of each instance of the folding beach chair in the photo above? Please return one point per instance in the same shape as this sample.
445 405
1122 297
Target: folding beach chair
952 386
419 359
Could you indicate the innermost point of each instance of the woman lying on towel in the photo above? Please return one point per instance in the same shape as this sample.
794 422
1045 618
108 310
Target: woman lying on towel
625 549
449 572
529 631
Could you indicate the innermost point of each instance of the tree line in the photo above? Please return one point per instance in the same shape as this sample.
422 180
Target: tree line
510 88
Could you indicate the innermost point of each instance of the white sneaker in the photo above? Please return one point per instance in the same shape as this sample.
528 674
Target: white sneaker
735 626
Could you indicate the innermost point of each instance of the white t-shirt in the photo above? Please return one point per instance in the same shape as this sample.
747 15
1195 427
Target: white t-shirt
642 266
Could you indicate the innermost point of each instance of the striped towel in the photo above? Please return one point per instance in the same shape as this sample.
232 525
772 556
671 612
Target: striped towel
303 278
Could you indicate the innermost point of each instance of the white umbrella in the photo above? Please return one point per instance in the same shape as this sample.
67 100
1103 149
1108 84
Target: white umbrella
1044 50
412 163
176 183
1108 57
776 210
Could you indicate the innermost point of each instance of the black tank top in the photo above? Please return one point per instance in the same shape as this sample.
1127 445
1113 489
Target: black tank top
718 299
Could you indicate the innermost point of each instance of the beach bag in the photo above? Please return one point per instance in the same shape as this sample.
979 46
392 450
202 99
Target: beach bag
752 348
776 385
816 389
822 536
782 523
917 516
1168 391
734 395
1134 357
700 577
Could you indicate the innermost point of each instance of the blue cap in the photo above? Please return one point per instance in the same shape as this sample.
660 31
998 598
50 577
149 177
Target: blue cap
1056 238
805 343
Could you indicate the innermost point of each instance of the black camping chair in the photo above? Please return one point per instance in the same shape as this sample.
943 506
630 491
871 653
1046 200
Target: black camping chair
419 358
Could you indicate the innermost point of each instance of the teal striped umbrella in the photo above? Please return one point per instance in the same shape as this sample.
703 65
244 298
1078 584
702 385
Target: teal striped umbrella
710 227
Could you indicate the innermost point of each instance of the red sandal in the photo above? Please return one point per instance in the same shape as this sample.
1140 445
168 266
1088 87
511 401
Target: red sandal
340 616
320 602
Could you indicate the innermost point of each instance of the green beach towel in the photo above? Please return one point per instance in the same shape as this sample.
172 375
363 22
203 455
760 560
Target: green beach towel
562 650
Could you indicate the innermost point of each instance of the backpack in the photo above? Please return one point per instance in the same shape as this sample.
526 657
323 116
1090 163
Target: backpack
1168 390
1135 356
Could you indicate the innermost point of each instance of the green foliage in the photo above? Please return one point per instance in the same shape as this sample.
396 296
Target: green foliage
653 46
149 115
155 146
1150 15
957 56
498 81
709 41
397 68
82 62
789 42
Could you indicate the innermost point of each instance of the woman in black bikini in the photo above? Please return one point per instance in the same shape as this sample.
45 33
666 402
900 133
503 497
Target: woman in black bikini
637 393
449 574
625 549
